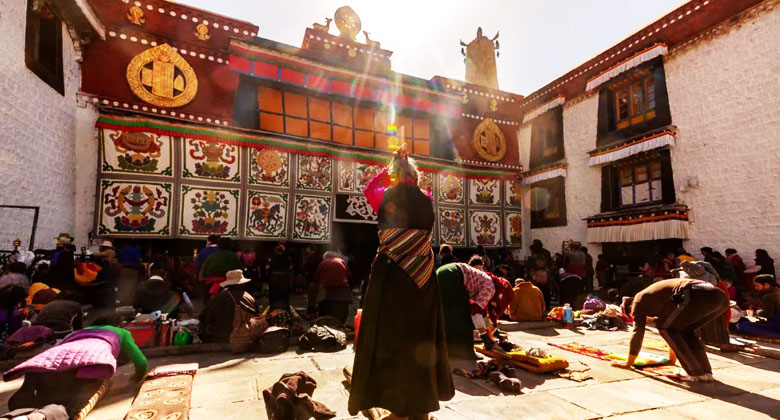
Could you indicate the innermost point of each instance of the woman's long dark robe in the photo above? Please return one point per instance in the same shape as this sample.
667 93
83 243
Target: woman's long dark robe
401 354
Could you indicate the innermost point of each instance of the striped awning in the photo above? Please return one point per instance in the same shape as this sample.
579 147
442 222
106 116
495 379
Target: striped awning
642 225
533 177
644 144
627 64
558 101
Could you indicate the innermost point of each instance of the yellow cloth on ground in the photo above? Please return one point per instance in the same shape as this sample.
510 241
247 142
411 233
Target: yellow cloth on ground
520 359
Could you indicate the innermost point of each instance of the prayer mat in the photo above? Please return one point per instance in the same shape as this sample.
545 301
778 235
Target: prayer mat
652 344
94 400
373 413
643 359
669 371
520 359
165 394
585 350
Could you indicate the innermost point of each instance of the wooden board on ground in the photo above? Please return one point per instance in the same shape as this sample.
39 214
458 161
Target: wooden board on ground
165 394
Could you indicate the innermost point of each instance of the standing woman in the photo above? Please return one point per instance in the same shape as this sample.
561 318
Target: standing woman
401 355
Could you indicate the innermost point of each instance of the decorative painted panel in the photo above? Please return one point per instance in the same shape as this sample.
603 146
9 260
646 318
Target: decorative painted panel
269 167
484 228
512 195
364 174
205 211
314 173
354 208
513 221
346 176
484 191
425 181
451 189
141 153
267 216
452 226
312 218
210 160
134 208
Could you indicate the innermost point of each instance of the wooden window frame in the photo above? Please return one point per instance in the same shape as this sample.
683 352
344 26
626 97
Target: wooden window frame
636 113
55 78
655 194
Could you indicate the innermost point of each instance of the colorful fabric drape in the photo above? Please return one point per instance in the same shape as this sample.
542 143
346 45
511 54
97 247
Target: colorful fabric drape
411 250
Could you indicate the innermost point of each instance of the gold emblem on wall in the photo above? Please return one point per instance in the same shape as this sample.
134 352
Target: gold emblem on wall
202 32
493 105
489 141
162 77
136 16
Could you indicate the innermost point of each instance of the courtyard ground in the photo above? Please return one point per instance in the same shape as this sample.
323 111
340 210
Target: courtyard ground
230 387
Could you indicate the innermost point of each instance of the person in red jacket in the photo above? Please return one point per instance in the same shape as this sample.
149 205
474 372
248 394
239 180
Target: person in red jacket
333 277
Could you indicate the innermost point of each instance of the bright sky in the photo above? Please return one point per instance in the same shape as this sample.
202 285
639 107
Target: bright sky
540 39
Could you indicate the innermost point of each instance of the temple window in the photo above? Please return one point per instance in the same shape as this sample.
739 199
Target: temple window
645 179
326 119
547 138
43 45
633 104
548 203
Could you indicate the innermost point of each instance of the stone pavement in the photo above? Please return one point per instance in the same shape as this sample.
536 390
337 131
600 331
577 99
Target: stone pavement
230 387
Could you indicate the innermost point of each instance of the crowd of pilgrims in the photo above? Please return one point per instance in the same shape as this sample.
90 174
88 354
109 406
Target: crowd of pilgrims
401 361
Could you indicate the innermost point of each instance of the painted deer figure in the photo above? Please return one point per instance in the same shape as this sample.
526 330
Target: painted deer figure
325 27
371 43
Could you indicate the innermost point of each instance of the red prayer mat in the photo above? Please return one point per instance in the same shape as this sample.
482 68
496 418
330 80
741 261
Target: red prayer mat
587 351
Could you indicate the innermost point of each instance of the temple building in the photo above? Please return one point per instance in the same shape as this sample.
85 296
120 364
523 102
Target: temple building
158 121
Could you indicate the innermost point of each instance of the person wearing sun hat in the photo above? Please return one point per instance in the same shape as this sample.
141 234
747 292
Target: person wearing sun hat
107 252
216 320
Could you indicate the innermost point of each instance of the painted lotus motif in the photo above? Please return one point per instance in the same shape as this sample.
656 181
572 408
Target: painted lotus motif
314 173
451 226
210 160
269 167
134 208
484 191
267 215
485 228
312 218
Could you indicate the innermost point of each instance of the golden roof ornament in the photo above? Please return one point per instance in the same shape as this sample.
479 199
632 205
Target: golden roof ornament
321 27
348 22
136 16
480 60
162 77
202 32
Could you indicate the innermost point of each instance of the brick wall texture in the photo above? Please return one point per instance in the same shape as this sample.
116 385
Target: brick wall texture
724 95
37 136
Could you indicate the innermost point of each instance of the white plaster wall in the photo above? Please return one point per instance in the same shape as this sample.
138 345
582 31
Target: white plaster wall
86 146
583 183
724 95
37 134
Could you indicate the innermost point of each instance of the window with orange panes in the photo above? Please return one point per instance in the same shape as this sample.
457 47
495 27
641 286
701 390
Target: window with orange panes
635 101
331 120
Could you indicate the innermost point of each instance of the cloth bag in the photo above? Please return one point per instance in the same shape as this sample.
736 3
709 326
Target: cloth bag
323 338
275 340
246 329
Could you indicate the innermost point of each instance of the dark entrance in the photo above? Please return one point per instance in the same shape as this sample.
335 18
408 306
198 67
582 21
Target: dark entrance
359 242
636 254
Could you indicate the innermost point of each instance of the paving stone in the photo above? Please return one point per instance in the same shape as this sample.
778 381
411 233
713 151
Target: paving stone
540 405
627 396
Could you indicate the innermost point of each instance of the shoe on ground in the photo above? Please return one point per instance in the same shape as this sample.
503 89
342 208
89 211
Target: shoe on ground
687 378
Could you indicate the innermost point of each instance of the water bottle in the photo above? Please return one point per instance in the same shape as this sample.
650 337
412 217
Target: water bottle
568 317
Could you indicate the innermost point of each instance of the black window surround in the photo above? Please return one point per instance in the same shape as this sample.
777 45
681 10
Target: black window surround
611 182
43 46
547 139
548 203
660 116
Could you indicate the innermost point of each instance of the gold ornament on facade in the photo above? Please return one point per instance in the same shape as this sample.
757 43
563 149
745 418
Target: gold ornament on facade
493 105
136 16
162 77
202 32
465 98
348 22
489 141
480 58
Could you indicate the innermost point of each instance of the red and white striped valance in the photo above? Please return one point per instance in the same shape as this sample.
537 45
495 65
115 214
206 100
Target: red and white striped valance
643 145
558 101
543 175
633 61
648 225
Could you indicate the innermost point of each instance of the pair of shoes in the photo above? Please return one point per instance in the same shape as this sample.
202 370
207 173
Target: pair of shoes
505 383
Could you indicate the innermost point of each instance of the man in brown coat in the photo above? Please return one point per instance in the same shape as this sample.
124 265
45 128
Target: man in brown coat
680 307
